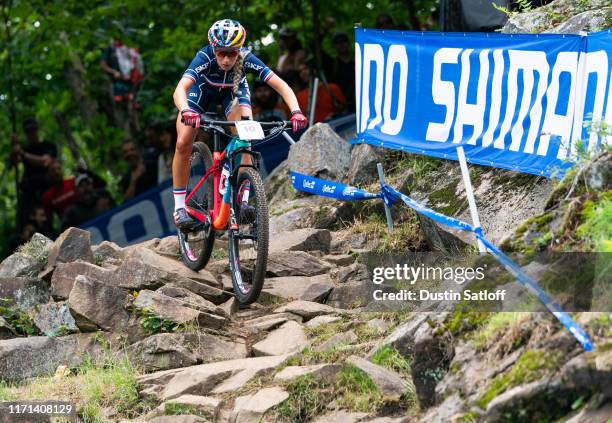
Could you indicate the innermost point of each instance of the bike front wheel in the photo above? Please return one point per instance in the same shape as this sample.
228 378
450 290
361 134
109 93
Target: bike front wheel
248 245
197 244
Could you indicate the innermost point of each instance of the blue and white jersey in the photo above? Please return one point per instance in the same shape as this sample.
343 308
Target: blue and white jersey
205 70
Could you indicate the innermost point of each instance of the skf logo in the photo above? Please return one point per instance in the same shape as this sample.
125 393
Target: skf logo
193 94
253 66
202 67
309 184
349 191
329 189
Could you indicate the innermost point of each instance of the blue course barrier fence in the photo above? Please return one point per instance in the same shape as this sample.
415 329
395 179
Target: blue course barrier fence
390 195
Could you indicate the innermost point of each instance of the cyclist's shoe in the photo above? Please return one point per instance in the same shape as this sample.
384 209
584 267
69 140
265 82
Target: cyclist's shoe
182 220
247 213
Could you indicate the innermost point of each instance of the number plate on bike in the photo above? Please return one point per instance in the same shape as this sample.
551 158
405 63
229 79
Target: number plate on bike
249 130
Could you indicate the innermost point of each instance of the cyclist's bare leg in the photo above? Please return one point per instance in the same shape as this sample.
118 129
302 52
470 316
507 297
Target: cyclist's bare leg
180 162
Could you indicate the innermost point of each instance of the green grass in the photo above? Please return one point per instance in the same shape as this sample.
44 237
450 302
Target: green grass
356 391
531 366
173 409
391 359
496 324
93 386
308 397
597 226
19 320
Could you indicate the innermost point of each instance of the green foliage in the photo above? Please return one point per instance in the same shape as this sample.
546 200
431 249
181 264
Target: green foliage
152 323
498 323
172 409
356 391
308 397
597 226
19 320
460 322
390 358
531 366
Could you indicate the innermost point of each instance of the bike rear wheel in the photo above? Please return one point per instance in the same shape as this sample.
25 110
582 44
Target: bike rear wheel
248 246
197 244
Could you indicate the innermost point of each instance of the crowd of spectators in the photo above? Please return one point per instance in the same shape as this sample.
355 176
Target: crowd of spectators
52 198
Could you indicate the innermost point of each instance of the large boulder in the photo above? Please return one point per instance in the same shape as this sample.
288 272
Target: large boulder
24 358
55 319
315 288
25 292
250 408
302 240
390 383
168 308
20 264
72 245
65 274
362 169
306 309
288 338
312 154
294 263
108 253
95 304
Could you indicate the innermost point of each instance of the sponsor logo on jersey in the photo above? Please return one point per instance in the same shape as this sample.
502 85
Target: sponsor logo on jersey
202 67
253 66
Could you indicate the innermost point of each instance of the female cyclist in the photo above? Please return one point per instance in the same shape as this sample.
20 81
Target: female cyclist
216 76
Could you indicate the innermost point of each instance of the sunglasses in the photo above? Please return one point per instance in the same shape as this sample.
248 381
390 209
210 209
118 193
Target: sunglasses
226 53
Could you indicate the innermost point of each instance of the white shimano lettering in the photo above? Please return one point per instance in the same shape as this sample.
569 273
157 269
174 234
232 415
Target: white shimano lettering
443 93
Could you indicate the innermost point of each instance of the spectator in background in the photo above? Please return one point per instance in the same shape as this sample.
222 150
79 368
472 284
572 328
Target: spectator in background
104 202
343 69
83 208
293 55
161 138
61 194
330 99
41 221
138 178
37 156
266 106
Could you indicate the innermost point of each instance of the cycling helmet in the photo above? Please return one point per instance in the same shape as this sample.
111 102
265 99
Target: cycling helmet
226 34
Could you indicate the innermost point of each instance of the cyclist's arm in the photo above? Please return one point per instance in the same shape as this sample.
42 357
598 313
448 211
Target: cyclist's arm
284 91
180 93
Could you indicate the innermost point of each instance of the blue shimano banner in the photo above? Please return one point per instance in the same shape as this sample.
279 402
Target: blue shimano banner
518 102
331 189
145 217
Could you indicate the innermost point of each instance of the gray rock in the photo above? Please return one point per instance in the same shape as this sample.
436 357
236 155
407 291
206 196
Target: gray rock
168 246
510 399
72 245
65 274
270 321
598 174
449 408
55 318
440 238
208 406
25 292
161 352
589 21
6 330
341 416
378 325
168 308
590 371
402 337
181 418
95 304
311 155
230 307
315 288
20 265
306 309
362 170
210 378
341 338
351 295
108 253
326 372
24 358
287 339
190 299
251 408
322 320
294 263
339 259
302 240
351 273
390 383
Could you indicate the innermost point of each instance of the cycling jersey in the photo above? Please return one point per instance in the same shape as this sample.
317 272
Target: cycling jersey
213 85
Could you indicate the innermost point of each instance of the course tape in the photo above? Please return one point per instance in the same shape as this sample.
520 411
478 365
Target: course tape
390 195
331 189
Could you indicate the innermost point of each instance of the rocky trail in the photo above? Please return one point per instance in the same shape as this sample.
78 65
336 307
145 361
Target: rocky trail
130 334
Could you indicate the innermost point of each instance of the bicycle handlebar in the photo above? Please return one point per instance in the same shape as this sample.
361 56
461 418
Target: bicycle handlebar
281 125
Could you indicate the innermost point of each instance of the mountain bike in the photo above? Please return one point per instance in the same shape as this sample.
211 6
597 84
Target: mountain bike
218 187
